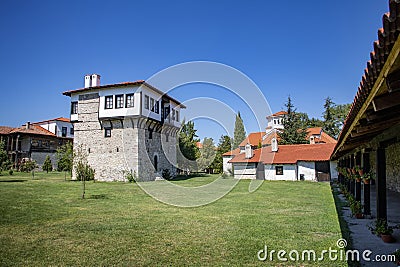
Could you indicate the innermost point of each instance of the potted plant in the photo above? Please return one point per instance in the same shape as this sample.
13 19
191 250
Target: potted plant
382 229
356 209
367 177
397 256
359 170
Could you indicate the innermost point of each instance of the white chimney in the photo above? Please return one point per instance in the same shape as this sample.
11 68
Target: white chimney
312 140
95 80
248 151
274 145
88 81
27 125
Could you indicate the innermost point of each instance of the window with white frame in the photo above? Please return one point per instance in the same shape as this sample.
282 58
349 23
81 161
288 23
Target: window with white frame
157 107
129 101
146 102
119 101
108 102
152 104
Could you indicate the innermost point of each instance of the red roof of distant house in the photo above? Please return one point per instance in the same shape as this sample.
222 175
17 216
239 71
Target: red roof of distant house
56 119
322 136
314 131
5 129
33 129
199 145
232 152
122 84
279 113
253 139
288 154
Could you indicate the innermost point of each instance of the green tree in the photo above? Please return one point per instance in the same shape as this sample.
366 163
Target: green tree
64 157
306 122
330 124
188 151
239 133
47 165
334 116
294 131
83 171
224 145
207 154
5 163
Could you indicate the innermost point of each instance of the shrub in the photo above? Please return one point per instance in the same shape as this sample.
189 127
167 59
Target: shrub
10 171
130 177
27 165
224 175
166 174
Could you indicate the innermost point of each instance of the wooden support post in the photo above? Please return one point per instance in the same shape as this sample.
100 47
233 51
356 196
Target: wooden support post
381 202
367 188
358 184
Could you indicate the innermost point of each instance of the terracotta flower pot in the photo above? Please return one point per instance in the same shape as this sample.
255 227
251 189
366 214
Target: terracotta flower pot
388 238
366 181
361 172
358 180
359 216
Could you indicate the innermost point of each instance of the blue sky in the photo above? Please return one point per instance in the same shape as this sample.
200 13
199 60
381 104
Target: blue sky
306 49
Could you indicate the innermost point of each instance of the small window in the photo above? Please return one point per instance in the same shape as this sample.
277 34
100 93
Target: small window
177 115
166 137
279 170
74 107
173 114
109 102
129 100
64 131
107 132
150 134
157 107
119 101
152 104
146 102
71 131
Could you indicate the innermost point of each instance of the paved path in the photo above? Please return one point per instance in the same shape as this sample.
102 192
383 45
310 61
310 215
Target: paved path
362 237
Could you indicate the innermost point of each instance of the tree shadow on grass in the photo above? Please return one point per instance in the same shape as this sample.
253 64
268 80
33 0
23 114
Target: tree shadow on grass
13 181
183 177
100 196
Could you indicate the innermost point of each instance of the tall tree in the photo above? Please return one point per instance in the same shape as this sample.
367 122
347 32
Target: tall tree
224 145
5 163
239 133
307 122
188 151
207 154
294 130
64 155
330 124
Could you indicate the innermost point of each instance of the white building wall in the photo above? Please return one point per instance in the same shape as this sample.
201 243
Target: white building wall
120 112
289 172
245 170
308 169
226 166
333 166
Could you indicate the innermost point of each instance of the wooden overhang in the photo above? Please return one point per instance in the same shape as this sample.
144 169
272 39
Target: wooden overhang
376 106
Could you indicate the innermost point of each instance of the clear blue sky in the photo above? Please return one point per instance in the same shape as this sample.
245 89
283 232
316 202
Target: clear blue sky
306 49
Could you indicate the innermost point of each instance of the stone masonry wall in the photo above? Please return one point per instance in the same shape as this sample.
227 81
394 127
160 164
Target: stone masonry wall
129 149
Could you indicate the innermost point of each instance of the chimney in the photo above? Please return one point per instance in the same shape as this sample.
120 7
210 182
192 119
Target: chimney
27 125
248 151
312 140
95 80
88 81
274 145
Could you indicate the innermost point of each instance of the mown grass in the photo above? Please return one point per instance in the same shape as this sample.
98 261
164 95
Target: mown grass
45 222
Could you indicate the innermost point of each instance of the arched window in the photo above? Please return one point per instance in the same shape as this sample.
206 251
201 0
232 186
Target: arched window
156 162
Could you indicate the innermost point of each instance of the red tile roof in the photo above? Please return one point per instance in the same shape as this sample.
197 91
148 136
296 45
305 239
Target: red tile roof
33 129
387 36
232 152
314 131
122 84
5 129
253 139
56 119
279 113
199 145
288 154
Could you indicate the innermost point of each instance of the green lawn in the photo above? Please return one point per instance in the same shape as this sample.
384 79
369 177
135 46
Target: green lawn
44 222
